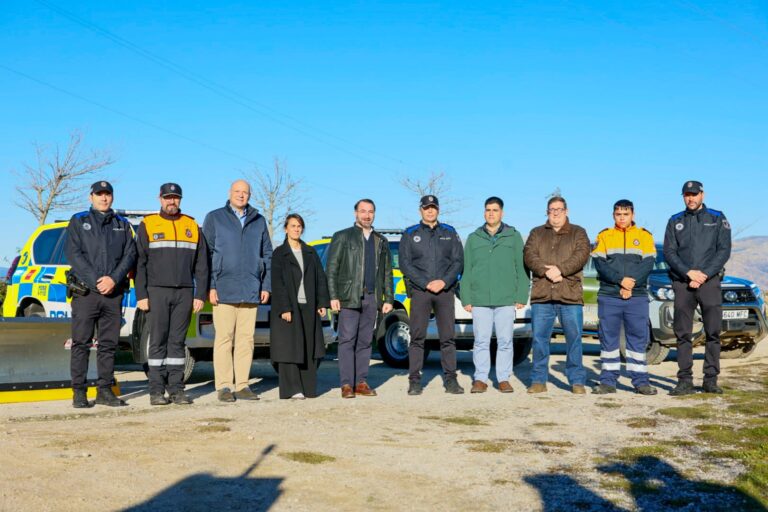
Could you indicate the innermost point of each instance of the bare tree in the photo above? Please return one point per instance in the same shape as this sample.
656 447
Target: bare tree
276 194
58 179
435 184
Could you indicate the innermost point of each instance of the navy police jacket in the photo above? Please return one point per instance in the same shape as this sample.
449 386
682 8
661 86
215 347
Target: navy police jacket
697 240
100 245
426 254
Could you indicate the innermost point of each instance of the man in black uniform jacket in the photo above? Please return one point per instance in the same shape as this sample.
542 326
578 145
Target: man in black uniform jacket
697 243
101 251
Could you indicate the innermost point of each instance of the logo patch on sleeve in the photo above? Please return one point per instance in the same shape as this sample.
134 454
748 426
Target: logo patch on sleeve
188 233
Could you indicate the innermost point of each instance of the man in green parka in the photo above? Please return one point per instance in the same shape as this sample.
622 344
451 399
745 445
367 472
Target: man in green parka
493 286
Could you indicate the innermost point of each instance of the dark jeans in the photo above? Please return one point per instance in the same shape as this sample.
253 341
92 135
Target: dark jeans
571 317
355 338
709 298
422 304
170 311
88 311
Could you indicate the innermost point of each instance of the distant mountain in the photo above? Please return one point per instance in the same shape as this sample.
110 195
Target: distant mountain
749 259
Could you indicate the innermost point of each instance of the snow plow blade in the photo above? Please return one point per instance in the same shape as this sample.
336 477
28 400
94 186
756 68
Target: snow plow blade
34 361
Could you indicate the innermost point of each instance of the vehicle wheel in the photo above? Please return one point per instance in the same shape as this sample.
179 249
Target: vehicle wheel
522 349
33 310
655 352
738 352
393 338
189 360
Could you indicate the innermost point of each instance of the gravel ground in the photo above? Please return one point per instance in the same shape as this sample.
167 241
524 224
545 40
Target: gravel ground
482 452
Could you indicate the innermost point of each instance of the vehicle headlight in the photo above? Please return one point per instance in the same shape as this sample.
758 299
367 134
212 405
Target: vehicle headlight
731 296
664 293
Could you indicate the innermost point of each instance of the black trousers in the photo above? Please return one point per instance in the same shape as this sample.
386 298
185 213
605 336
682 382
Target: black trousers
422 304
88 311
301 378
708 296
170 311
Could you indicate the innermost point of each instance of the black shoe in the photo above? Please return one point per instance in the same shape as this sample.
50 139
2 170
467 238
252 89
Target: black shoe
80 399
225 395
683 388
603 389
105 396
452 387
158 399
180 398
647 390
414 388
712 387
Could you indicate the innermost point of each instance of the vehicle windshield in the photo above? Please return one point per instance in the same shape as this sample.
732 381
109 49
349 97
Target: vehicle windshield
660 265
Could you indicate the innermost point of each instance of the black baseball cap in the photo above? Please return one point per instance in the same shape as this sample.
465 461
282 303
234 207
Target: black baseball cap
430 201
693 187
170 189
101 186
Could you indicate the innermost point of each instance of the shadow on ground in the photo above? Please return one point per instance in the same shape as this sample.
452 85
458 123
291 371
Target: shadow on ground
204 492
653 485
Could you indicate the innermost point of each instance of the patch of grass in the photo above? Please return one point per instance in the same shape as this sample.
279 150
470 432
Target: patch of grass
469 421
212 428
488 445
546 424
701 412
715 433
608 405
307 457
632 453
642 423
554 444
499 481
218 420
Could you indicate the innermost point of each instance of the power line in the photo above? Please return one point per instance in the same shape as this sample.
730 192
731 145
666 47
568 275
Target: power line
225 92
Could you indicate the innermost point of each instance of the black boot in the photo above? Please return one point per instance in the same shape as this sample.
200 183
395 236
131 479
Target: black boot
710 386
105 396
180 398
683 388
80 399
452 386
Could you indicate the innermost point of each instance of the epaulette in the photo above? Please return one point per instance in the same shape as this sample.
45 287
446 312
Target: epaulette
80 215
121 218
448 227
411 229
603 231
647 231
716 213
677 215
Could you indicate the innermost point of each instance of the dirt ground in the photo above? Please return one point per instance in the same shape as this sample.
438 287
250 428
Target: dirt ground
393 452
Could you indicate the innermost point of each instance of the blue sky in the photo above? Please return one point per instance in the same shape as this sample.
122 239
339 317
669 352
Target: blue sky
601 99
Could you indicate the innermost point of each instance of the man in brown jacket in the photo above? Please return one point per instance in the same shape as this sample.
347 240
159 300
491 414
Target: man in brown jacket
556 253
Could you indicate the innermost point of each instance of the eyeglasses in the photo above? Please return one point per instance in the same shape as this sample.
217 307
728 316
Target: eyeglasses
555 210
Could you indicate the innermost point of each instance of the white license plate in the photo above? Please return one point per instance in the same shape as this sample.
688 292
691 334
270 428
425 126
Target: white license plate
735 314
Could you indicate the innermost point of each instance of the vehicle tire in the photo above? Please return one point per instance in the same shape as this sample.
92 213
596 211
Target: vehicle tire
655 352
522 349
737 352
189 360
393 338
34 310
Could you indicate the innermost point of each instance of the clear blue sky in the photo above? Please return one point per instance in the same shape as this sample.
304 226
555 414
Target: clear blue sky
604 100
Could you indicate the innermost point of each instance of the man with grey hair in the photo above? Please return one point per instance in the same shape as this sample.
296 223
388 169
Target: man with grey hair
241 258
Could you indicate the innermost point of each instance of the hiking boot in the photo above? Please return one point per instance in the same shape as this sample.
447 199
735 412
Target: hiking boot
712 387
478 386
180 398
414 388
225 395
158 399
683 388
105 396
537 387
80 399
246 394
452 387
603 389
578 389
646 389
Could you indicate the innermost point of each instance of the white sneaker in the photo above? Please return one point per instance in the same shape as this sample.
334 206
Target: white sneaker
298 396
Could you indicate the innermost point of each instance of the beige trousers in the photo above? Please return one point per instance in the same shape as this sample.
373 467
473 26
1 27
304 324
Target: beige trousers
233 344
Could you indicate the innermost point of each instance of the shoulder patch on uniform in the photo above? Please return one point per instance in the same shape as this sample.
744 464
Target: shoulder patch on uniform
677 215
411 229
448 227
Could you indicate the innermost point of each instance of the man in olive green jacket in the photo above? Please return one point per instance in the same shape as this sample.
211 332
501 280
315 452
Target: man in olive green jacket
359 274
556 253
494 284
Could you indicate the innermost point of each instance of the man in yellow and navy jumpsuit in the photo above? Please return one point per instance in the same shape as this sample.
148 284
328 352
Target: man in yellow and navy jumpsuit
171 282
624 256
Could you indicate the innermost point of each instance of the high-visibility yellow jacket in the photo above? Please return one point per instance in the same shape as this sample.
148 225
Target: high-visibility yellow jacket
621 253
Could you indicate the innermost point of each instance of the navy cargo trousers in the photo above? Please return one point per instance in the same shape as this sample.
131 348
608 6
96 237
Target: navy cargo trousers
630 314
